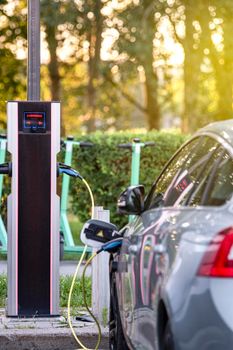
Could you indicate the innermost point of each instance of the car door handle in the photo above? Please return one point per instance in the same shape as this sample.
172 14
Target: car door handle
159 249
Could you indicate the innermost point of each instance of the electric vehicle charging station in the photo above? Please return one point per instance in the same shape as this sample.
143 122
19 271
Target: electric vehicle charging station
33 209
33 140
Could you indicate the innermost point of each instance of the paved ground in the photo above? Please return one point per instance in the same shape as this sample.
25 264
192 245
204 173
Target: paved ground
47 334
67 267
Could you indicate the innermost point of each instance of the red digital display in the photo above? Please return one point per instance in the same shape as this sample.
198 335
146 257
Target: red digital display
33 115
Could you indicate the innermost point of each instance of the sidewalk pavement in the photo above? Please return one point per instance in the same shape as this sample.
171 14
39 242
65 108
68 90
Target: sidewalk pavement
47 334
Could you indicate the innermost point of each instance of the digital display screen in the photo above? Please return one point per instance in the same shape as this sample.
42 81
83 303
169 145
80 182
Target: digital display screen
34 115
34 120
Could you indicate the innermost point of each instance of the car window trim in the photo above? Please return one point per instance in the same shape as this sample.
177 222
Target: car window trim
209 184
167 165
207 158
223 142
201 134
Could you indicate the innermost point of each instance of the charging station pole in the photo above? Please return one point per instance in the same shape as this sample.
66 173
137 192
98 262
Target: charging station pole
33 204
33 76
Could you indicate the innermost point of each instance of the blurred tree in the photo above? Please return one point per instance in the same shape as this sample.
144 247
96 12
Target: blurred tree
99 106
187 31
222 53
77 25
207 41
110 62
94 30
12 70
137 25
59 19
193 58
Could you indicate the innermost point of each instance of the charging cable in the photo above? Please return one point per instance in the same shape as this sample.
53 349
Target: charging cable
109 247
63 169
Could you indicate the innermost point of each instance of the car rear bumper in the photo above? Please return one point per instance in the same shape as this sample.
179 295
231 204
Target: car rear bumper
203 321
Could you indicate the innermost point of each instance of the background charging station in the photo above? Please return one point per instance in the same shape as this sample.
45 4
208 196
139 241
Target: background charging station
33 205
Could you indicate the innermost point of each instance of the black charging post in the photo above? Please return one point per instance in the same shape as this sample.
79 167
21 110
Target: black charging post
33 205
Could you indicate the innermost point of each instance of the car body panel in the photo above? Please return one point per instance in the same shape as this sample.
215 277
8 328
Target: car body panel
204 330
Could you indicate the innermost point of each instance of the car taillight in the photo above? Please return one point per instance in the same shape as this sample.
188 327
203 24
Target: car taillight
218 259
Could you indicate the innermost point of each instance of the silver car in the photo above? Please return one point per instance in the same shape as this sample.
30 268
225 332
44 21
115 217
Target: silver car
172 281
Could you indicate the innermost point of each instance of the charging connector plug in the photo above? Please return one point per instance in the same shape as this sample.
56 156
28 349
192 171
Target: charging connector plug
112 246
66 169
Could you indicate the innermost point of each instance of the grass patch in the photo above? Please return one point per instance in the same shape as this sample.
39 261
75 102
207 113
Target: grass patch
65 284
3 290
77 299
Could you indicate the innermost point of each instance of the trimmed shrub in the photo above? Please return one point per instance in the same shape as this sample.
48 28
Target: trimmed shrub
108 168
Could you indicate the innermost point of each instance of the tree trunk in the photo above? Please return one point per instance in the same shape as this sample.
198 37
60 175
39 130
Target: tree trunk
222 61
53 68
152 106
191 71
151 79
224 75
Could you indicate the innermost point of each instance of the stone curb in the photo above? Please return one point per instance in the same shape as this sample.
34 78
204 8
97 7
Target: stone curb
47 334
51 340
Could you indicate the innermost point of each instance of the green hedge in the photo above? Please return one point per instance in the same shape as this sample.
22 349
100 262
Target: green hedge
107 168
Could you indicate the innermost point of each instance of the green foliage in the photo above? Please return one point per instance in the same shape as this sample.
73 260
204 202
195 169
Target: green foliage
140 75
13 26
77 298
105 316
107 168
3 290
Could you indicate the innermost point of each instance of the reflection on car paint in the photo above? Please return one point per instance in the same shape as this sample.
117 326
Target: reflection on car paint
133 281
145 266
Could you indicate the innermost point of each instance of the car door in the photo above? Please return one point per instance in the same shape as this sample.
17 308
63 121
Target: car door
138 290
128 292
